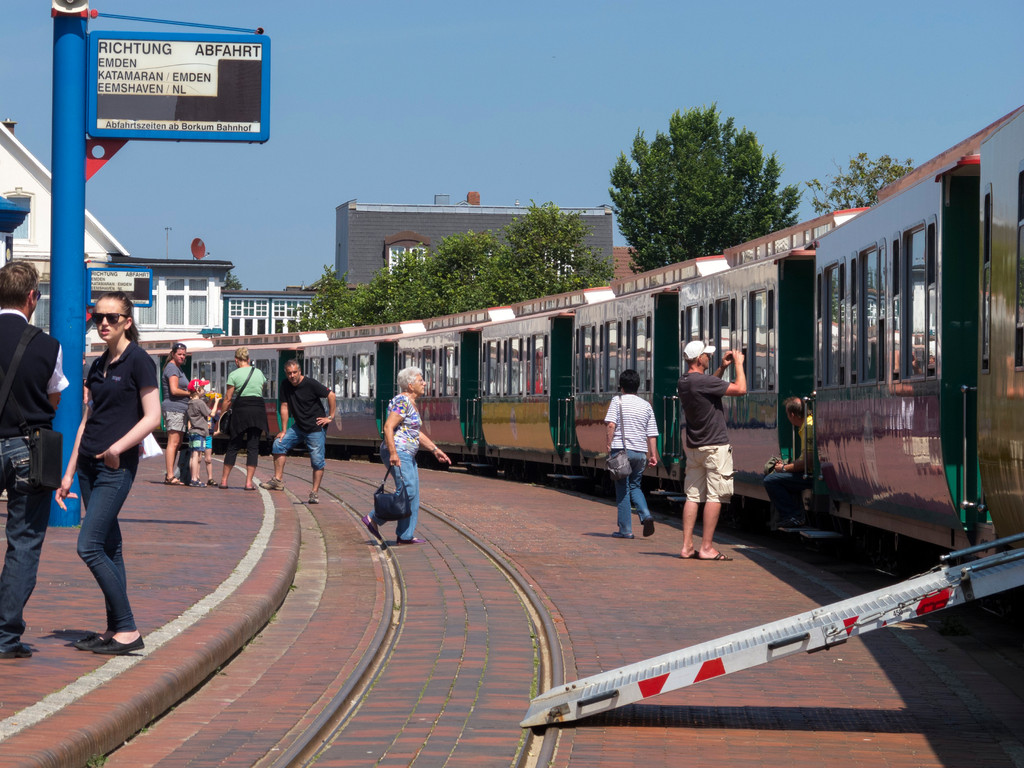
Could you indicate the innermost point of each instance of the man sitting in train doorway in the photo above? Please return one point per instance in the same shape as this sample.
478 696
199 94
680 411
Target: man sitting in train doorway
786 484
301 399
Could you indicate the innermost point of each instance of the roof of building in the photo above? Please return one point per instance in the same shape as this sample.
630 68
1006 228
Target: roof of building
295 293
465 208
200 263
18 151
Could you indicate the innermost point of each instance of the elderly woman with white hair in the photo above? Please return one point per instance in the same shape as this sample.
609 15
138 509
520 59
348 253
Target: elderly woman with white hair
403 435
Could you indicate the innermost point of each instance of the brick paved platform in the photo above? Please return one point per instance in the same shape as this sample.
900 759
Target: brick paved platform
206 569
902 697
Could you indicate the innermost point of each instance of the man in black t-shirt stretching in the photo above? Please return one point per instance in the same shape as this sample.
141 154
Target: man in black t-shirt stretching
301 400
708 453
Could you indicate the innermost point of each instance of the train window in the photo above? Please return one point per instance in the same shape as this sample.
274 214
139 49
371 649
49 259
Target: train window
771 341
641 343
832 343
694 327
365 372
819 329
854 325
933 304
340 377
986 281
723 335
897 315
490 367
515 365
588 380
869 313
316 368
429 372
1018 355
883 305
611 356
758 349
266 368
536 372
915 308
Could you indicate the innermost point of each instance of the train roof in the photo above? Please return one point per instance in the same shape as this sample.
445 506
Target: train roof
799 239
946 160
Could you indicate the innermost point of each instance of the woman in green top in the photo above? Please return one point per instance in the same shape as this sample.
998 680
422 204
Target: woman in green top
248 416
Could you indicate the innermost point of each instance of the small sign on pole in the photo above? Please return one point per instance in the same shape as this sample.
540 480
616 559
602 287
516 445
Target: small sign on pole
136 282
179 87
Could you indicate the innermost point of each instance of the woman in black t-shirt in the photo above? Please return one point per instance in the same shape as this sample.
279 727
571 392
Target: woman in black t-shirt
124 407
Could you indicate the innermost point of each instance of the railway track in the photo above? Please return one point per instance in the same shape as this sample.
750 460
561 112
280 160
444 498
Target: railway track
325 739
421 655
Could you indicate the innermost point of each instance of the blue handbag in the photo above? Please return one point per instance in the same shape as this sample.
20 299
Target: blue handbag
391 506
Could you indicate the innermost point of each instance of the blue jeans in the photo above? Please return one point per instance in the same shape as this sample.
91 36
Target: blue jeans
104 491
406 529
28 514
782 488
628 492
316 444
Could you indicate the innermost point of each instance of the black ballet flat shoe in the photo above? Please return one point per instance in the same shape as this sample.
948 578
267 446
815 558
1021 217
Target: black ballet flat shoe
114 648
89 642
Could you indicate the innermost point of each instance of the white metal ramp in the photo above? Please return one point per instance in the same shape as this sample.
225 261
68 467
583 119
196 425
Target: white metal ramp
819 629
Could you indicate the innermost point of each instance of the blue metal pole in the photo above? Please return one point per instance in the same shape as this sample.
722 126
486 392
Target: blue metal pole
67 233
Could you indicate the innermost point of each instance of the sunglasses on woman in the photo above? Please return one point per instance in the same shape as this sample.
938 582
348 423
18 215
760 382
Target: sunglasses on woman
112 318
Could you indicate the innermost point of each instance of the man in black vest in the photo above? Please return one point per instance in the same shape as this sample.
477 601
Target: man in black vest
36 389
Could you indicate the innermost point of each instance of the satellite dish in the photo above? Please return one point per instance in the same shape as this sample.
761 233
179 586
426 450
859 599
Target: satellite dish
198 248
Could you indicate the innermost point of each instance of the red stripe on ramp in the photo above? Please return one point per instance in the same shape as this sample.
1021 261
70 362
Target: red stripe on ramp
653 686
934 602
710 669
848 623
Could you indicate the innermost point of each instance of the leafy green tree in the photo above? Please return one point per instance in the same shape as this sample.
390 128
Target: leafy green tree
546 254
231 282
858 186
539 253
698 189
333 305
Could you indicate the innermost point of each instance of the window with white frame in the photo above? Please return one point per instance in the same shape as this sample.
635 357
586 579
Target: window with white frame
41 317
396 252
248 316
285 313
24 230
186 302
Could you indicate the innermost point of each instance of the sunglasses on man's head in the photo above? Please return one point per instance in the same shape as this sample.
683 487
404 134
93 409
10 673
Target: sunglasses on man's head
112 318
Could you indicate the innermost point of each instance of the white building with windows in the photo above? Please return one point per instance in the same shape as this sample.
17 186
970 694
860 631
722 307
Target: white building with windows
248 313
27 182
186 297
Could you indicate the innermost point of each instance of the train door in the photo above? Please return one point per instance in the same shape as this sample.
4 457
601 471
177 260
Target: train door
470 411
665 374
561 417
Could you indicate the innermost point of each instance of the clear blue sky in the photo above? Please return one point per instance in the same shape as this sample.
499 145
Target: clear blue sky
393 102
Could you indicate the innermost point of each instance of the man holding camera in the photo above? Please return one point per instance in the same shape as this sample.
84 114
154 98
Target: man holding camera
708 452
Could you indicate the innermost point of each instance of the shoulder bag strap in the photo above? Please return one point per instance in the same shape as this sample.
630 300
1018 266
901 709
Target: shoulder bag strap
27 335
246 383
618 425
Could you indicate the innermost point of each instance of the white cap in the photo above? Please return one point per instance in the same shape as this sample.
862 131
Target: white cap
695 349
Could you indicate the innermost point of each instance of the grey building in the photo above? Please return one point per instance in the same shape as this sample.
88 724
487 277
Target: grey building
370 236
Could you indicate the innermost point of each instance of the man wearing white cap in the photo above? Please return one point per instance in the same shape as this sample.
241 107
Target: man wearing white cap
708 453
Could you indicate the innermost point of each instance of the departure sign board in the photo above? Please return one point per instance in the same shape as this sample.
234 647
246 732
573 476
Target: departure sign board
179 87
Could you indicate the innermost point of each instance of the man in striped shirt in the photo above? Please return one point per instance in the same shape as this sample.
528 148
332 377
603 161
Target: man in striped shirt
633 429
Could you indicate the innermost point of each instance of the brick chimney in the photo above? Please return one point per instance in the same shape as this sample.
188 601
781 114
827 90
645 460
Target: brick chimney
9 125
473 198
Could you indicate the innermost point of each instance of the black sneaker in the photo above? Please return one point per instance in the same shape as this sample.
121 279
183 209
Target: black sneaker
20 651
648 526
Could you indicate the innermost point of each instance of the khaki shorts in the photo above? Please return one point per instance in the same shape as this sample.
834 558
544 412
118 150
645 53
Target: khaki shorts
708 473
174 421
